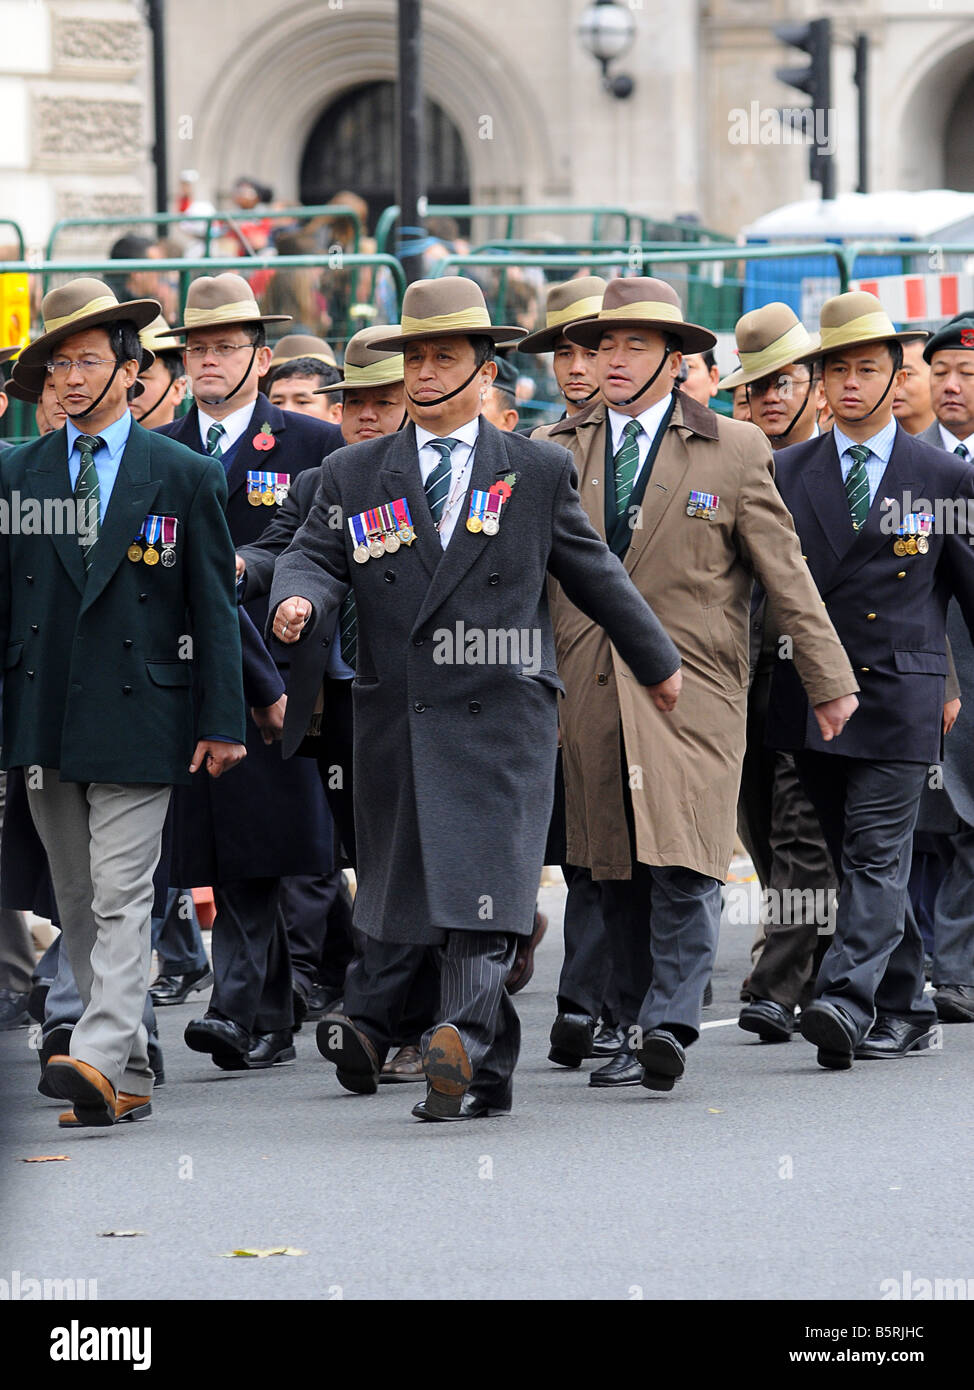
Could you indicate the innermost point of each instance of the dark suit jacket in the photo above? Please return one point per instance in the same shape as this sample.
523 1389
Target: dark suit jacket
455 756
272 818
889 610
98 678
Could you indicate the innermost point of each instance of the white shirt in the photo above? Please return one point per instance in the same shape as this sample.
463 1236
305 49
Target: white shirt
234 425
951 442
461 461
650 420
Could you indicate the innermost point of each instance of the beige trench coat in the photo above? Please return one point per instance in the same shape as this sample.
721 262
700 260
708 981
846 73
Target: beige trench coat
683 768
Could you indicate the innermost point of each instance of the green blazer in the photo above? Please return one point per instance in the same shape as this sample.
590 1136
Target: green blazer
99 669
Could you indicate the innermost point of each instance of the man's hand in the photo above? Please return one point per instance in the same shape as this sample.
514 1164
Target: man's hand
834 715
951 711
665 694
241 565
290 618
217 756
270 721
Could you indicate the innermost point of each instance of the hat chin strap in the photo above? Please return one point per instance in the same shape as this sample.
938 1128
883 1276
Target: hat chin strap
798 413
643 389
882 398
230 394
592 394
83 414
449 395
153 408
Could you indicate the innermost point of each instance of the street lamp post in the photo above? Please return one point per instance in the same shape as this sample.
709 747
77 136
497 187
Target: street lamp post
607 31
411 173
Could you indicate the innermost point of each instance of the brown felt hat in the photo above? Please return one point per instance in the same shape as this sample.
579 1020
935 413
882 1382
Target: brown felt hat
80 304
851 320
640 301
366 365
217 301
768 339
569 302
302 345
444 308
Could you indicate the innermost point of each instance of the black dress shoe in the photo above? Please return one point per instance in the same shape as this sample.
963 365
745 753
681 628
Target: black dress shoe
227 1043
354 1056
37 1000
271 1049
708 995
156 1063
832 1031
571 1039
955 1003
13 1009
609 1039
621 1070
894 1037
56 1044
772 1022
176 989
470 1109
322 1000
663 1059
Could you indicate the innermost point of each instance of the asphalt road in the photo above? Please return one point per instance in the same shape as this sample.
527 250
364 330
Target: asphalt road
759 1177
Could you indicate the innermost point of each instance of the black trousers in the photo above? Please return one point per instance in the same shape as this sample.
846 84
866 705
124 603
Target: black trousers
333 750
755 797
251 959
586 975
317 919
868 810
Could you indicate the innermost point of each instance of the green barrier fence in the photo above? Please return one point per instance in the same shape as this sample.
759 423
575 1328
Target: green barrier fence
509 212
21 245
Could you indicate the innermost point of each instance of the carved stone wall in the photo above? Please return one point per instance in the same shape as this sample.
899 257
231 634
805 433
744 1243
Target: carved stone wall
75 130
85 43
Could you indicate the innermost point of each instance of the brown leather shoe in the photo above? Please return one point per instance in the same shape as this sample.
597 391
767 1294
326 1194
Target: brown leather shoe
93 1094
127 1109
448 1071
407 1065
523 967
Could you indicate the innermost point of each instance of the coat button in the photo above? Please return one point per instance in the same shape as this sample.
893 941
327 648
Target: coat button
127 643
419 707
324 641
595 482
30 675
863 668
143 597
494 579
602 679
474 707
902 574
870 617
29 578
389 577
418 641
34 627
126 690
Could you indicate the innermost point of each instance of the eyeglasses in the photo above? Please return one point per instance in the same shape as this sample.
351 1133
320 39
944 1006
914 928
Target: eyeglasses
784 385
196 353
60 366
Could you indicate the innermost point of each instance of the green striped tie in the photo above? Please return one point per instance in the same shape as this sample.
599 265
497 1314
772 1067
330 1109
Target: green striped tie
963 451
857 485
348 629
438 482
88 495
626 464
213 436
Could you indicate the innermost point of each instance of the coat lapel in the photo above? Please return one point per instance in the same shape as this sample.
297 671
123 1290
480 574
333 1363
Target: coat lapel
489 463
50 481
248 459
131 501
589 454
896 482
401 477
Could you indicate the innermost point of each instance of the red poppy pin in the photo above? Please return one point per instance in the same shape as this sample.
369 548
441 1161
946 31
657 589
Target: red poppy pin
967 337
265 440
505 485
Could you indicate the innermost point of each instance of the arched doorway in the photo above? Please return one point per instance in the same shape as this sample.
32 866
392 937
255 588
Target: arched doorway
353 146
959 139
936 144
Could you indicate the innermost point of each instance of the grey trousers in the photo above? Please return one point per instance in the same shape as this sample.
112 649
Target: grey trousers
953 915
16 952
103 842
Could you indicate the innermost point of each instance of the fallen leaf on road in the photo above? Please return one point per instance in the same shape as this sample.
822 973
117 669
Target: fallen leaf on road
48 1158
712 1111
121 1233
260 1254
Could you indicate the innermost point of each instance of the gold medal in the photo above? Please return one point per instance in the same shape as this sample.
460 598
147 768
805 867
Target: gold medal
899 547
268 497
134 552
474 524
407 535
392 542
911 546
923 545
151 556
360 554
255 497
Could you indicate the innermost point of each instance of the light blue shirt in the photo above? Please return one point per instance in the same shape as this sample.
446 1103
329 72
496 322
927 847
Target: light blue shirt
881 445
116 437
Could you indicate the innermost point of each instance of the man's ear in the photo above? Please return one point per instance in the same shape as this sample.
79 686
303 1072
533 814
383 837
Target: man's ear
129 372
4 402
490 371
263 360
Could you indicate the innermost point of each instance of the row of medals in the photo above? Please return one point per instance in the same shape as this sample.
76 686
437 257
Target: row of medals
911 545
151 556
489 525
268 497
379 543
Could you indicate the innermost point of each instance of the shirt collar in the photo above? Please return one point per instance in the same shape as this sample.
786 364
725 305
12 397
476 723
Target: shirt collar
951 441
233 424
467 434
115 435
881 444
650 419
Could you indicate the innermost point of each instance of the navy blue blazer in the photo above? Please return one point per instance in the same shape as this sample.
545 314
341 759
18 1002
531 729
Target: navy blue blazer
889 610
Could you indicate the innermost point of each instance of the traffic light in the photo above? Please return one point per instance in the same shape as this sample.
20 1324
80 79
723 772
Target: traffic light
815 39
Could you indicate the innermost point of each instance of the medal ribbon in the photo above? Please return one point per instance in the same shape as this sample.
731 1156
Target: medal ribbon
169 527
153 529
400 510
254 482
356 524
493 504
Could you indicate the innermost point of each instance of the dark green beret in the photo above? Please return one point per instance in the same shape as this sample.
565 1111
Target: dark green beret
958 332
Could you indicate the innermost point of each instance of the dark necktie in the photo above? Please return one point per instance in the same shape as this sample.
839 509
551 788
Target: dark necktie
438 482
857 485
88 493
348 630
626 464
963 451
213 436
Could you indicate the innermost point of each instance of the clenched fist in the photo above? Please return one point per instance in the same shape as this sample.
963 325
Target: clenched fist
290 618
